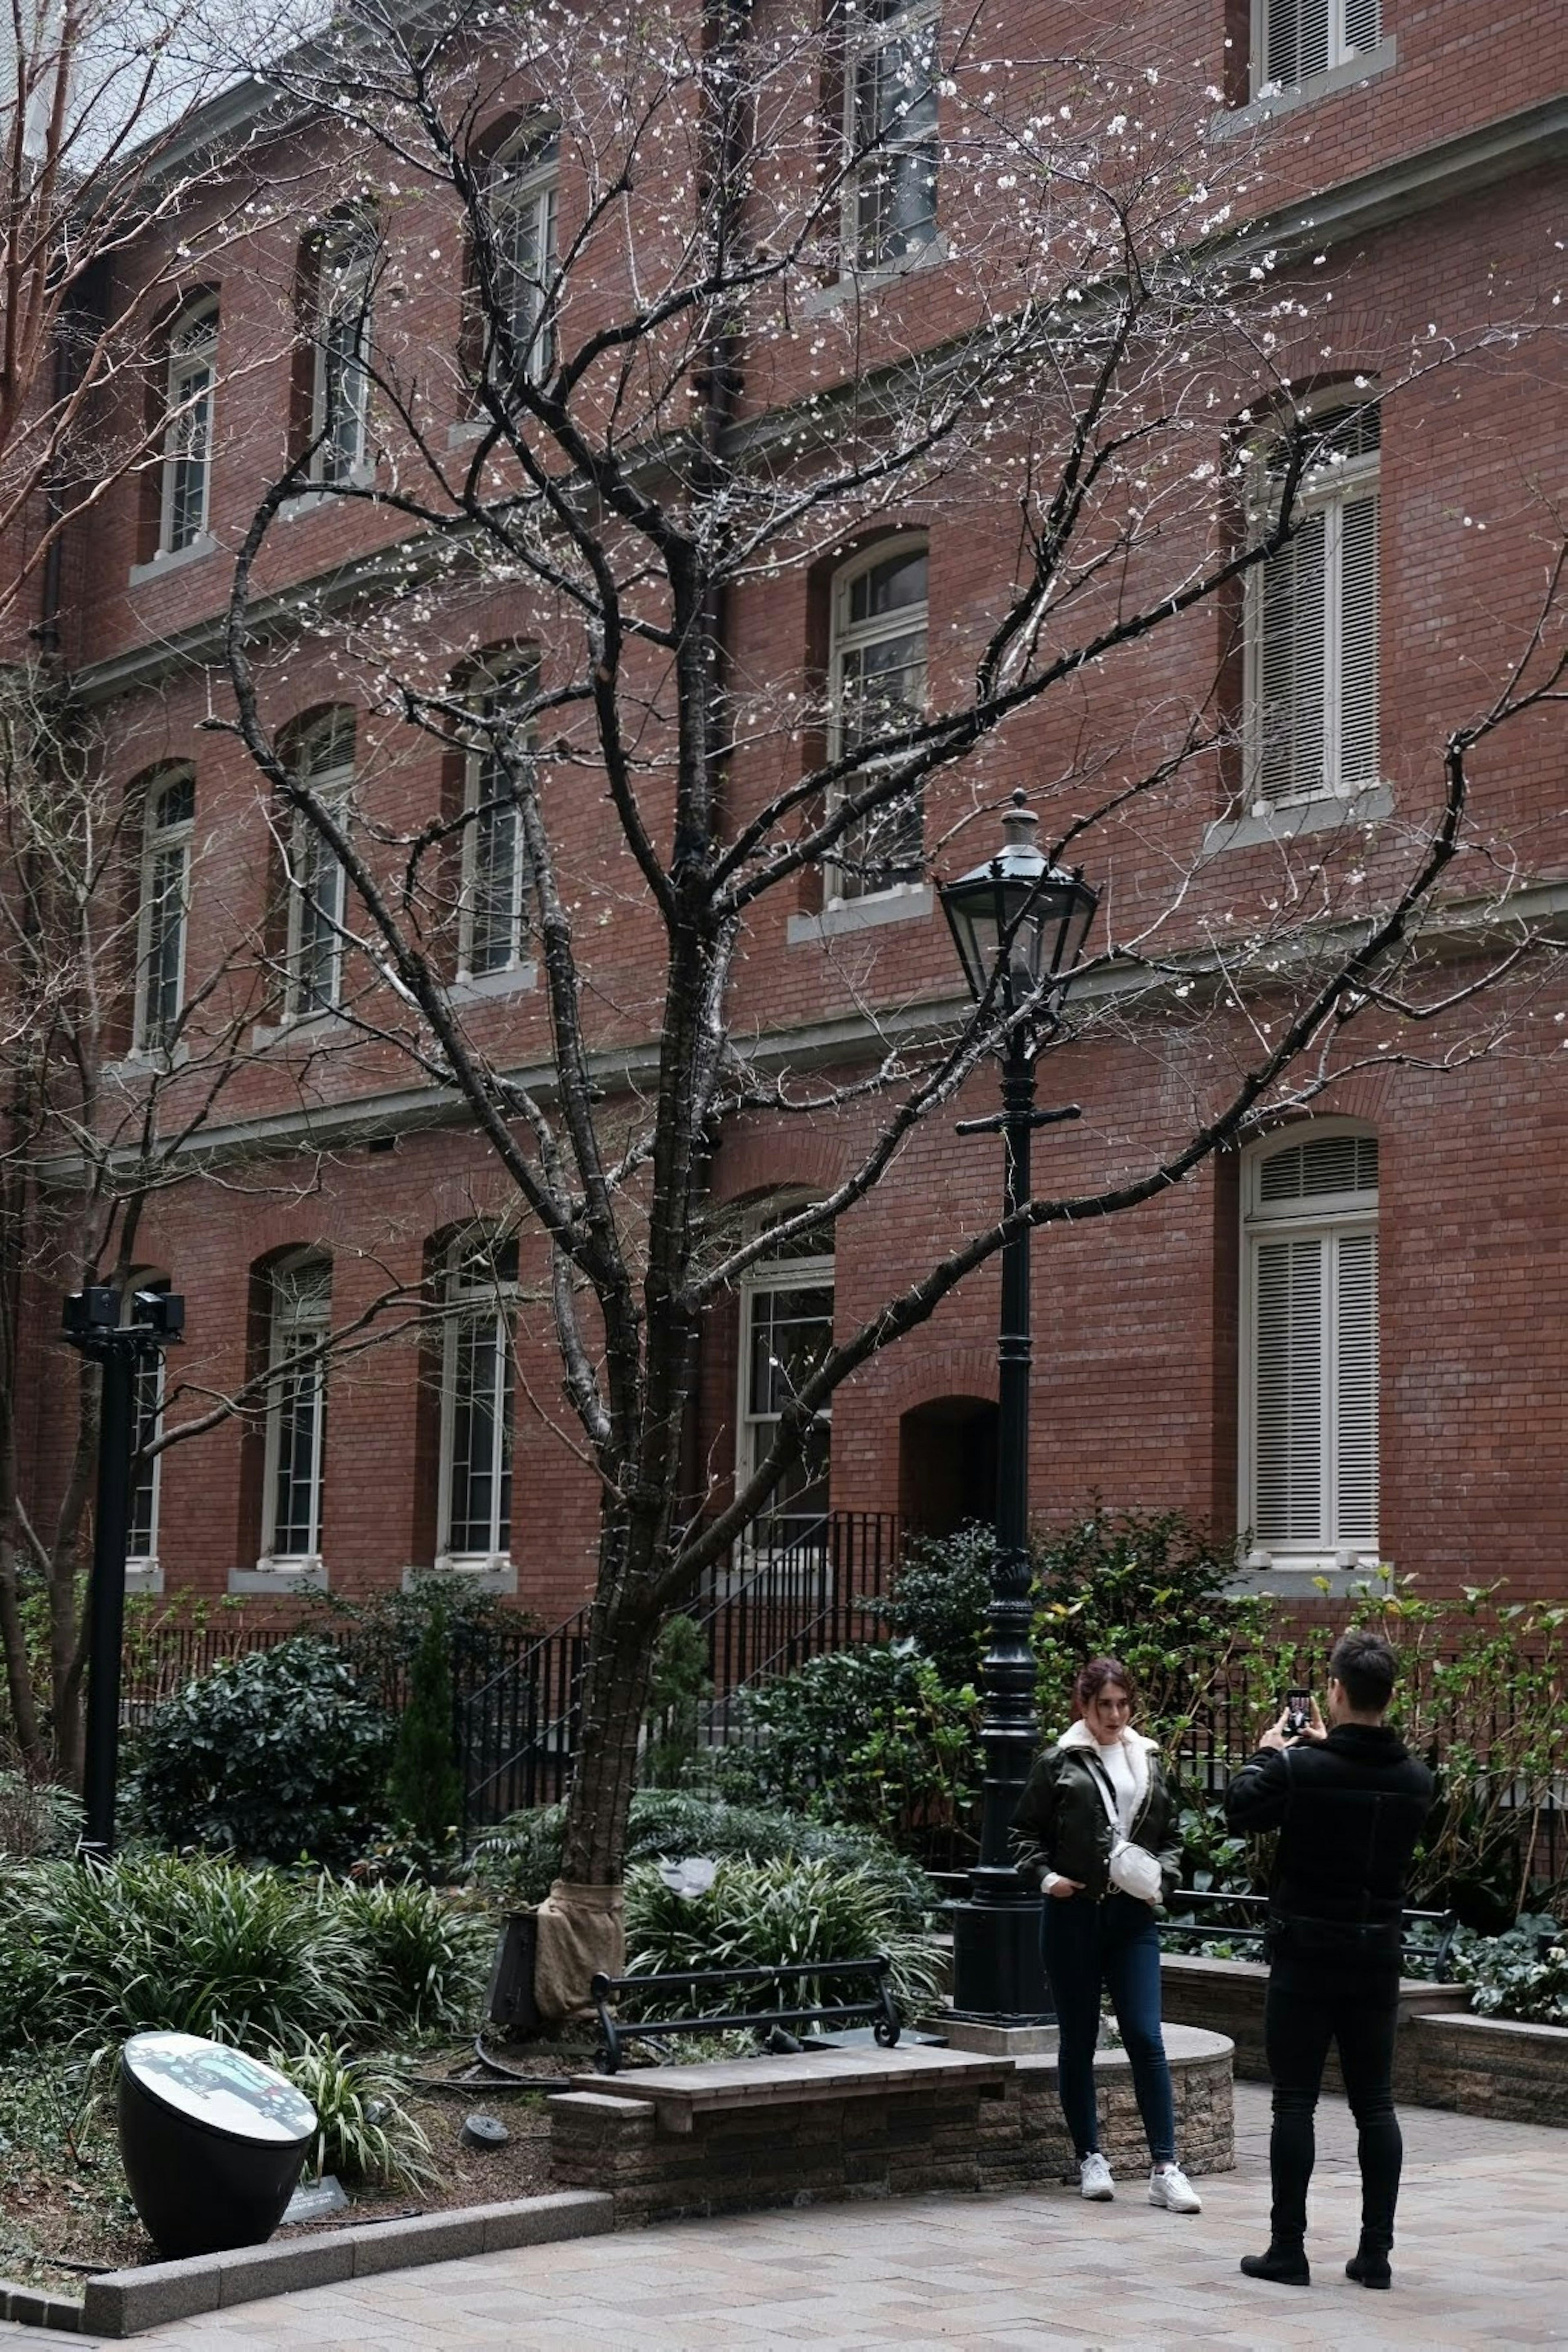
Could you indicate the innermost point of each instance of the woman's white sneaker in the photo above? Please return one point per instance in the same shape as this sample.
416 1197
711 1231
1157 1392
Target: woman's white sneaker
1094 2180
1173 2189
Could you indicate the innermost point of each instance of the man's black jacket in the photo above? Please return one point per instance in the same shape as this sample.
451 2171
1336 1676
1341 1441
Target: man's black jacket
1349 1810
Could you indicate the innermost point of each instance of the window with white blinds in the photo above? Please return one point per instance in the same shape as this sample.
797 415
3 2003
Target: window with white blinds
1313 623
1309 1399
1294 39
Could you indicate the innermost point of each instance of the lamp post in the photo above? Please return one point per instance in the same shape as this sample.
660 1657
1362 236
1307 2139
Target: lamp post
92 1321
1019 925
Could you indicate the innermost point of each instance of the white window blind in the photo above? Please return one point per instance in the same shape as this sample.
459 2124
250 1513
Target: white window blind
1310 1377
1302 37
1313 627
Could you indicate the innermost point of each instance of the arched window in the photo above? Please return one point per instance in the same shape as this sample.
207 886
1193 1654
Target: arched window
1312 620
1309 1358
164 906
299 1315
188 435
877 677
339 279
499 764
321 755
478 1295
786 1329
520 204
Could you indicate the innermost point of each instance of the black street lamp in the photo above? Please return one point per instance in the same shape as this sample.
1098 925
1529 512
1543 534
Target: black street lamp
1019 925
93 1321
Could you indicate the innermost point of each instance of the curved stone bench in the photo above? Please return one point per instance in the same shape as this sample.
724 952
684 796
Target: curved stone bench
754 2132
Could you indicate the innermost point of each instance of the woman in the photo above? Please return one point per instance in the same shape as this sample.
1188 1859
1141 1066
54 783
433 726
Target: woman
1097 1826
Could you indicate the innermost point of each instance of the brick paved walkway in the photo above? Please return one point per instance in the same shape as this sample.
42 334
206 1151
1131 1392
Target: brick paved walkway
1482 2259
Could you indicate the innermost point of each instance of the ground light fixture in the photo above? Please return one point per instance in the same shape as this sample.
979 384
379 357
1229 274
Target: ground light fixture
1019 925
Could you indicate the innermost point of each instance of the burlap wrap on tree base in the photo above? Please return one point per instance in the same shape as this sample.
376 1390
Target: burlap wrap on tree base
581 1929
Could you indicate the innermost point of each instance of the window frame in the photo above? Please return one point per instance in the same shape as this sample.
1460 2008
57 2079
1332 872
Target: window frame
143 1569
288 1317
501 675
495 1303
153 1033
1326 490
846 638
340 383
190 413
1339 46
311 863
524 178
765 1277
867 35
1328 1219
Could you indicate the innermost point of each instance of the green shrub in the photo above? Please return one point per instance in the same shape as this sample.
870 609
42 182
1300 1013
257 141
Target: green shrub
275 1755
1522 1974
363 2131
426 1956
36 1818
423 1793
871 1736
199 1947
677 1688
516 1863
770 1913
941 1600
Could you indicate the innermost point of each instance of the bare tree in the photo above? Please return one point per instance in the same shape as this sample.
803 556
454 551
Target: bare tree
724 373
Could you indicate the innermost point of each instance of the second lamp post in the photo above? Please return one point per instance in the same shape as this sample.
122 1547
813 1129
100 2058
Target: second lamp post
1019 925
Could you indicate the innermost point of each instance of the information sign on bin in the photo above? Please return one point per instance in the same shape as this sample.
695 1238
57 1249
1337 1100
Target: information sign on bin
213 2142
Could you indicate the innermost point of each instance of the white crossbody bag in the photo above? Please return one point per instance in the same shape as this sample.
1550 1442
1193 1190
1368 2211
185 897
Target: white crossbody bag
1133 1869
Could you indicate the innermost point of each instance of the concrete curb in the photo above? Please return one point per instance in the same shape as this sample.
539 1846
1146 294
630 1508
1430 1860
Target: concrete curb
125 2303
29 2306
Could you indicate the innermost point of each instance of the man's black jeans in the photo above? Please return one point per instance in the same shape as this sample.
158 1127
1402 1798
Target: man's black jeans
1316 1997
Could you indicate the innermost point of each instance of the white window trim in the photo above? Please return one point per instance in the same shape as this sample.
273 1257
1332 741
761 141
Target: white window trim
1326 1216
342 291
160 841
286 1319
1327 490
535 188
144 1569
333 786
503 1295
190 356
1342 59
766 1275
846 637
864 37
517 962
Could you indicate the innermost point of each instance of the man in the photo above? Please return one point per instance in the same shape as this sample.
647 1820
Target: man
1349 1803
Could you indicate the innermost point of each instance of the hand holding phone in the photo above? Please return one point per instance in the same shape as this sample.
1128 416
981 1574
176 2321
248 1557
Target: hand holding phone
1297 1713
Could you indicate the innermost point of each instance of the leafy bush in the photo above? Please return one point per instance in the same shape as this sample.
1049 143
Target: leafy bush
202 1946
275 1755
424 1792
769 1913
871 1736
516 1863
199 1947
36 1818
1522 1974
943 1598
426 1956
364 2132
678 1687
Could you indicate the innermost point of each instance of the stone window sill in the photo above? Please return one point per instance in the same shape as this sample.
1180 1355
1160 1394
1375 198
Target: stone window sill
1329 814
143 1063
909 902
309 1028
490 1574
143 1576
175 559
280 1576
1233 122
864 285
516 981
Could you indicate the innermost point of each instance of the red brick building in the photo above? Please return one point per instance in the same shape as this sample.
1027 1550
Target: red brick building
1348 1334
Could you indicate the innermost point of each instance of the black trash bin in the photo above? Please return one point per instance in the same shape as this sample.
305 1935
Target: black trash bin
212 2143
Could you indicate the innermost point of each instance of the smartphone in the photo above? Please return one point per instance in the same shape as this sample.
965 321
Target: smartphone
1298 1712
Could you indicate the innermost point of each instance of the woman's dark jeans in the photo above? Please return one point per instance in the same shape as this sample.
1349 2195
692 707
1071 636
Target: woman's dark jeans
1115 1944
1316 1998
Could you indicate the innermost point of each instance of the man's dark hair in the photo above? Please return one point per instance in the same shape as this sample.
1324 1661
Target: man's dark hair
1366 1665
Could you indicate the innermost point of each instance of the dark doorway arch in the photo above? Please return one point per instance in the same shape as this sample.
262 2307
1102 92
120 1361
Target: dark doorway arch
947 1463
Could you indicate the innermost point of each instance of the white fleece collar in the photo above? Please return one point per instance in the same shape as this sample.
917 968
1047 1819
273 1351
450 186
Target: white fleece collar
1138 1744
